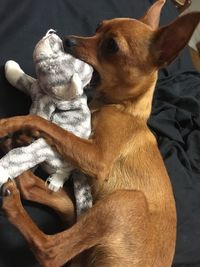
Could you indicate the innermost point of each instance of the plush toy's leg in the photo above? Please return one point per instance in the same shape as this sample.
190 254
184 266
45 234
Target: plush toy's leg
82 189
17 78
34 189
21 159
56 181
59 177
82 192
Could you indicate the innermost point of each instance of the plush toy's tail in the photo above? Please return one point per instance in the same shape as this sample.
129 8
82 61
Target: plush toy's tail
17 78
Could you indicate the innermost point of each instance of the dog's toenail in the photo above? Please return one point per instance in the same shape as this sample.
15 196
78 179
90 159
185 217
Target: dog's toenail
7 193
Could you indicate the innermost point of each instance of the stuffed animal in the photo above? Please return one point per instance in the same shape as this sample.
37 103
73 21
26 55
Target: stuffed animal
57 95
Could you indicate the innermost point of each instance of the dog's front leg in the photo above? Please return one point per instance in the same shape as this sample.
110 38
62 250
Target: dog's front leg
102 225
84 154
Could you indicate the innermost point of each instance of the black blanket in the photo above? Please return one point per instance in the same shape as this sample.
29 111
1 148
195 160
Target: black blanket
175 117
175 121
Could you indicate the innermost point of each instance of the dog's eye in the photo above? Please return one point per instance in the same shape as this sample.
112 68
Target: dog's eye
111 46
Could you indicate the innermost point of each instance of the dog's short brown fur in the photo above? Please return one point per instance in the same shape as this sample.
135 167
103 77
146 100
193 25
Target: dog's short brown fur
133 220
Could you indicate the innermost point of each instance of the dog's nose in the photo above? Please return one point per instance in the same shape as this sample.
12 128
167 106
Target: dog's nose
69 43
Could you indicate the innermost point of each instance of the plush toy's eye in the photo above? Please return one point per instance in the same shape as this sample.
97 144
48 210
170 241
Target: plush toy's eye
111 46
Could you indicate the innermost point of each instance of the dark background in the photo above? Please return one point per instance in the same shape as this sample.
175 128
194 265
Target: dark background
175 117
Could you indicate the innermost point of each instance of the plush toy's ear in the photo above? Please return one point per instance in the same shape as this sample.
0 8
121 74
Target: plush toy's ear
170 40
152 16
76 86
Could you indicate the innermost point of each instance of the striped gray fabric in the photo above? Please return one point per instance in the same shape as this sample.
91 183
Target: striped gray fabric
57 95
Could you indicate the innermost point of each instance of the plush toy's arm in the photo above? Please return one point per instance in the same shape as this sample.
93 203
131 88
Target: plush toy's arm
17 78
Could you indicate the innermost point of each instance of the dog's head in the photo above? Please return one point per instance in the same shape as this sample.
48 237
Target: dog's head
127 53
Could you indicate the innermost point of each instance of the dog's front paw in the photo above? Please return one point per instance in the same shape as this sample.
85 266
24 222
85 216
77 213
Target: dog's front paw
13 72
55 183
20 123
11 200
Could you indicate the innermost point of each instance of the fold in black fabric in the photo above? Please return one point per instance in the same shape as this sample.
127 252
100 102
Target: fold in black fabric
175 117
175 120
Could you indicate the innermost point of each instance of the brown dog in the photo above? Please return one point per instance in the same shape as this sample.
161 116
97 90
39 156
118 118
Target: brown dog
133 220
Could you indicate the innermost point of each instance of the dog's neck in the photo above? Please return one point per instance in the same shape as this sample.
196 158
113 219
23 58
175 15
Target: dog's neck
138 106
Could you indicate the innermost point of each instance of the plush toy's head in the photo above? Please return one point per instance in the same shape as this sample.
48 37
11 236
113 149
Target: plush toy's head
56 70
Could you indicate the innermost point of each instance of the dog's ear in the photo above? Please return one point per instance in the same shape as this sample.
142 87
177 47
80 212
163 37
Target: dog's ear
171 39
152 16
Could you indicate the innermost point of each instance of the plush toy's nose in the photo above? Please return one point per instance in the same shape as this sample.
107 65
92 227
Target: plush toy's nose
69 43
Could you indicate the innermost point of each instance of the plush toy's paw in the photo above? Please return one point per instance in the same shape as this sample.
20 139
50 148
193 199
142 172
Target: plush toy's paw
13 72
4 176
55 182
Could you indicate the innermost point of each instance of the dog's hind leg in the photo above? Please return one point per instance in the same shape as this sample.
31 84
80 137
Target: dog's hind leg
102 227
35 189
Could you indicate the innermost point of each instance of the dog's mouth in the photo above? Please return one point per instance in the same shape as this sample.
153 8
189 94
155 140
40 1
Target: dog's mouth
95 81
69 43
90 89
